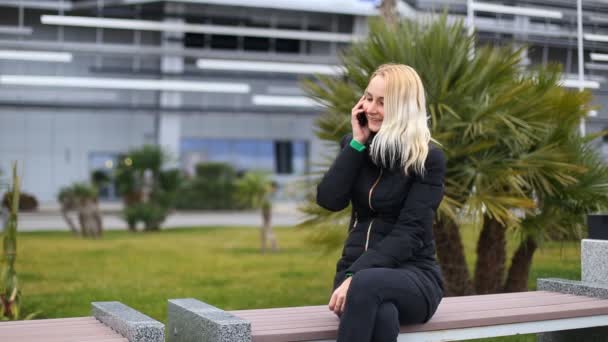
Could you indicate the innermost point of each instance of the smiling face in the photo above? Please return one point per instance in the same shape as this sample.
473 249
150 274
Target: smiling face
374 103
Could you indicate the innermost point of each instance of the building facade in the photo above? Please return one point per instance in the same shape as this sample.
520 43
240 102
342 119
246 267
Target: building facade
82 82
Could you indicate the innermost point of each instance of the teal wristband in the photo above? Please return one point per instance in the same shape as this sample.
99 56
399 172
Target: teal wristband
348 274
357 145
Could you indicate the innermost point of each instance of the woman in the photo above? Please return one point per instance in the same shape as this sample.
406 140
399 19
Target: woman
393 175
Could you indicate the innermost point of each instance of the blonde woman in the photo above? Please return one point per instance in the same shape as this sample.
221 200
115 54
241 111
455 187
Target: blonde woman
393 175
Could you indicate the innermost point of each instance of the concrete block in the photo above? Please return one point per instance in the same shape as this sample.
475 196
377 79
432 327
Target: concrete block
190 320
130 323
594 261
574 287
579 288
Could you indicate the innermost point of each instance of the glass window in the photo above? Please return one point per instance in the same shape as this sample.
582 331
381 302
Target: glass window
283 157
224 42
256 44
104 163
287 46
195 40
265 156
300 157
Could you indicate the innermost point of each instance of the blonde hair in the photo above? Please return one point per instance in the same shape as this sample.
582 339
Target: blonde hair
404 134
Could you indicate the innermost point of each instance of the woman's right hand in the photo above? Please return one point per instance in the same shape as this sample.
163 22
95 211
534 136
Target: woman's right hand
360 133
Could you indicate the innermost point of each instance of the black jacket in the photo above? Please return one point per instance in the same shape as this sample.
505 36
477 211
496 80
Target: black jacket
392 216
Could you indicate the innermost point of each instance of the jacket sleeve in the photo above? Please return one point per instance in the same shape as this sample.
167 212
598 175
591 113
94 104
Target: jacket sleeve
334 190
415 219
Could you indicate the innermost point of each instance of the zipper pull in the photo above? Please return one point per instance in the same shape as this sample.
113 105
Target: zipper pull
356 218
369 230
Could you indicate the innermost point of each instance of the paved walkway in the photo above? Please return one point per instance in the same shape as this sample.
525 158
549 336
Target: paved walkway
49 218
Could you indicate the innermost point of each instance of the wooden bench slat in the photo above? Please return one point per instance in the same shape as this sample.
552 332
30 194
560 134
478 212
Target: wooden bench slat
323 319
82 325
278 316
328 317
301 334
312 308
477 298
73 339
49 320
494 296
78 329
512 303
329 331
317 322
443 321
63 331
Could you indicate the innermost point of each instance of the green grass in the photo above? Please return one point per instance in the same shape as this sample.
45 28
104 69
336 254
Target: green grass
60 275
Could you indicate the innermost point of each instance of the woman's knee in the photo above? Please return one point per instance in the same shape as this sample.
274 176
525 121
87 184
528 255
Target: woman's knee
368 280
363 289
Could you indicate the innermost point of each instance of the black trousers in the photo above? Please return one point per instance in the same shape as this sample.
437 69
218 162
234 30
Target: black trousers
378 301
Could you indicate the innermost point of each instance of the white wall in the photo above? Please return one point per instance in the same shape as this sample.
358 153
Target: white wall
53 148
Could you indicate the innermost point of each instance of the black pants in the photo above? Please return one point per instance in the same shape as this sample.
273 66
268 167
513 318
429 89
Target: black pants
378 301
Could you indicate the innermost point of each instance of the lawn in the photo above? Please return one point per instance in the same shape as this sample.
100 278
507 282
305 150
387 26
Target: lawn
60 275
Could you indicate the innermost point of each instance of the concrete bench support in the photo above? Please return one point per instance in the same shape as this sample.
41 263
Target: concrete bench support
594 283
130 323
191 320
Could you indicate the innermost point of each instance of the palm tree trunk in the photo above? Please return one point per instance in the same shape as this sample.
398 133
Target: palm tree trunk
491 257
450 252
519 272
68 219
388 10
88 215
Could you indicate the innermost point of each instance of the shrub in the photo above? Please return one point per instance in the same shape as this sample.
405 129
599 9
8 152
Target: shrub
151 214
148 193
27 202
213 187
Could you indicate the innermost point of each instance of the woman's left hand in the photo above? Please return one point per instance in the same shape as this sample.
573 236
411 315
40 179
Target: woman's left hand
338 298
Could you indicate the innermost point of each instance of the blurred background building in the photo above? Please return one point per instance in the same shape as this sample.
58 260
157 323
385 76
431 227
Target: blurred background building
84 81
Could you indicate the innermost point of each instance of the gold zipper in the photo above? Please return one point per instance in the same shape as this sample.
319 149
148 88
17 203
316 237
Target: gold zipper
369 228
369 199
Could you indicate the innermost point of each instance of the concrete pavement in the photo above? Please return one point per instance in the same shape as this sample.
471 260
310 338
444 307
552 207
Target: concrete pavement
48 218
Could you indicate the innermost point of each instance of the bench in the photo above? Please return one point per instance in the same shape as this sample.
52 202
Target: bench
457 318
110 322
560 310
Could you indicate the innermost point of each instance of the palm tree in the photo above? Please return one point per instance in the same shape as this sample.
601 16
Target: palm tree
254 190
82 198
10 294
3 211
562 208
505 133
147 190
9 286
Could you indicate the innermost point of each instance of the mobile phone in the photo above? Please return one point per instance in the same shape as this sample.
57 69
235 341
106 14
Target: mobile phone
362 119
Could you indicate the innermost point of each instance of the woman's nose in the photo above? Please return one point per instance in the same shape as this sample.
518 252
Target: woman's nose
371 108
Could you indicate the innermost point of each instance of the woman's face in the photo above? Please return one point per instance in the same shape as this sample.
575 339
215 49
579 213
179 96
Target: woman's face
374 103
